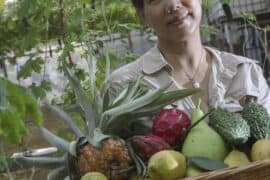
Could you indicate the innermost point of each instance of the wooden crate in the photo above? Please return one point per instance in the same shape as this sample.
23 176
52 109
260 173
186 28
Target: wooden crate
259 170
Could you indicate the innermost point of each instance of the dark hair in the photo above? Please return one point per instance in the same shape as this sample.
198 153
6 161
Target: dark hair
138 4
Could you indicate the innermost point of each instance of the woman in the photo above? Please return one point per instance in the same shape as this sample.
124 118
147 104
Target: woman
179 56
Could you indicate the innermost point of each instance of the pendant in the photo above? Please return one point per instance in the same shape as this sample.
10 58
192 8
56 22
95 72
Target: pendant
195 84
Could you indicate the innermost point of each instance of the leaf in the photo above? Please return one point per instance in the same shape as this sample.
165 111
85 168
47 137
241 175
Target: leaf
134 88
11 127
249 16
32 109
48 162
36 152
18 106
106 100
31 65
67 119
140 166
138 103
120 97
57 173
84 102
41 90
16 98
165 99
267 28
56 141
38 92
98 137
207 30
206 163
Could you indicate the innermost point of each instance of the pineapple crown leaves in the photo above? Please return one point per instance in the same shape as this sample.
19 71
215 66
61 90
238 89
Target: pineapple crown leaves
36 152
56 173
67 119
98 137
59 143
92 115
163 100
137 103
83 100
41 161
140 165
45 158
128 93
134 102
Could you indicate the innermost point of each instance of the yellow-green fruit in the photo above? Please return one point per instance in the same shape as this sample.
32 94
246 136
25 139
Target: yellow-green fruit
167 165
135 176
193 171
94 176
260 150
236 158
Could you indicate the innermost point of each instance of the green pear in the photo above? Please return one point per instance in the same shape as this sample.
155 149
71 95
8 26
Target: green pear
167 165
204 141
236 158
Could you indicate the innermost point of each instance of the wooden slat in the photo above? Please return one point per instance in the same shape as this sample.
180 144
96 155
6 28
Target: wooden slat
259 170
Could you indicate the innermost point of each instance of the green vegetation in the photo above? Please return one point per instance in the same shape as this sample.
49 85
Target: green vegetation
16 104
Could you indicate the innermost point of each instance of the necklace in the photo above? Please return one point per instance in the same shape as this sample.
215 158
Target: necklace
192 79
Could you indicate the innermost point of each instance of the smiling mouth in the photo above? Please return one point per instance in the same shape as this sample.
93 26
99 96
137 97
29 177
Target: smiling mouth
178 20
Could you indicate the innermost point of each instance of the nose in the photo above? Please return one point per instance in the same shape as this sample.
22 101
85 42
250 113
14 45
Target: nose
173 6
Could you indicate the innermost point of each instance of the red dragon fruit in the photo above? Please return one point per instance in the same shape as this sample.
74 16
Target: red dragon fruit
170 124
147 145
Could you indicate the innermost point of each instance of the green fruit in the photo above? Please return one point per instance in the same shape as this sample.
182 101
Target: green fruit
204 141
260 150
236 158
193 171
167 165
94 176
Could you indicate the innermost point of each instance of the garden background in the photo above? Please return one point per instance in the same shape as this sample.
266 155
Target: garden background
37 36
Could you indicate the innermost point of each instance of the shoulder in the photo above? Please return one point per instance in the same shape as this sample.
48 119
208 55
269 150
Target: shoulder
231 63
235 77
127 72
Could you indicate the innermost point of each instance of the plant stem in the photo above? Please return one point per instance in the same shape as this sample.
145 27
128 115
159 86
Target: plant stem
106 21
62 28
3 65
263 42
195 124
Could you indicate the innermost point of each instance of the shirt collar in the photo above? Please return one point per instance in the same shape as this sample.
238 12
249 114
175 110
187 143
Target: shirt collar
153 61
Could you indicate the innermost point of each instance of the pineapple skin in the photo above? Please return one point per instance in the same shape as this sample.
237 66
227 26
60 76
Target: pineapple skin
108 160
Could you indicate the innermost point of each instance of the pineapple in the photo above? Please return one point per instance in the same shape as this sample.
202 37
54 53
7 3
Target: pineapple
102 149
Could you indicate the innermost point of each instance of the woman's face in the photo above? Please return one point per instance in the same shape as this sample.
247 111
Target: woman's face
172 18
